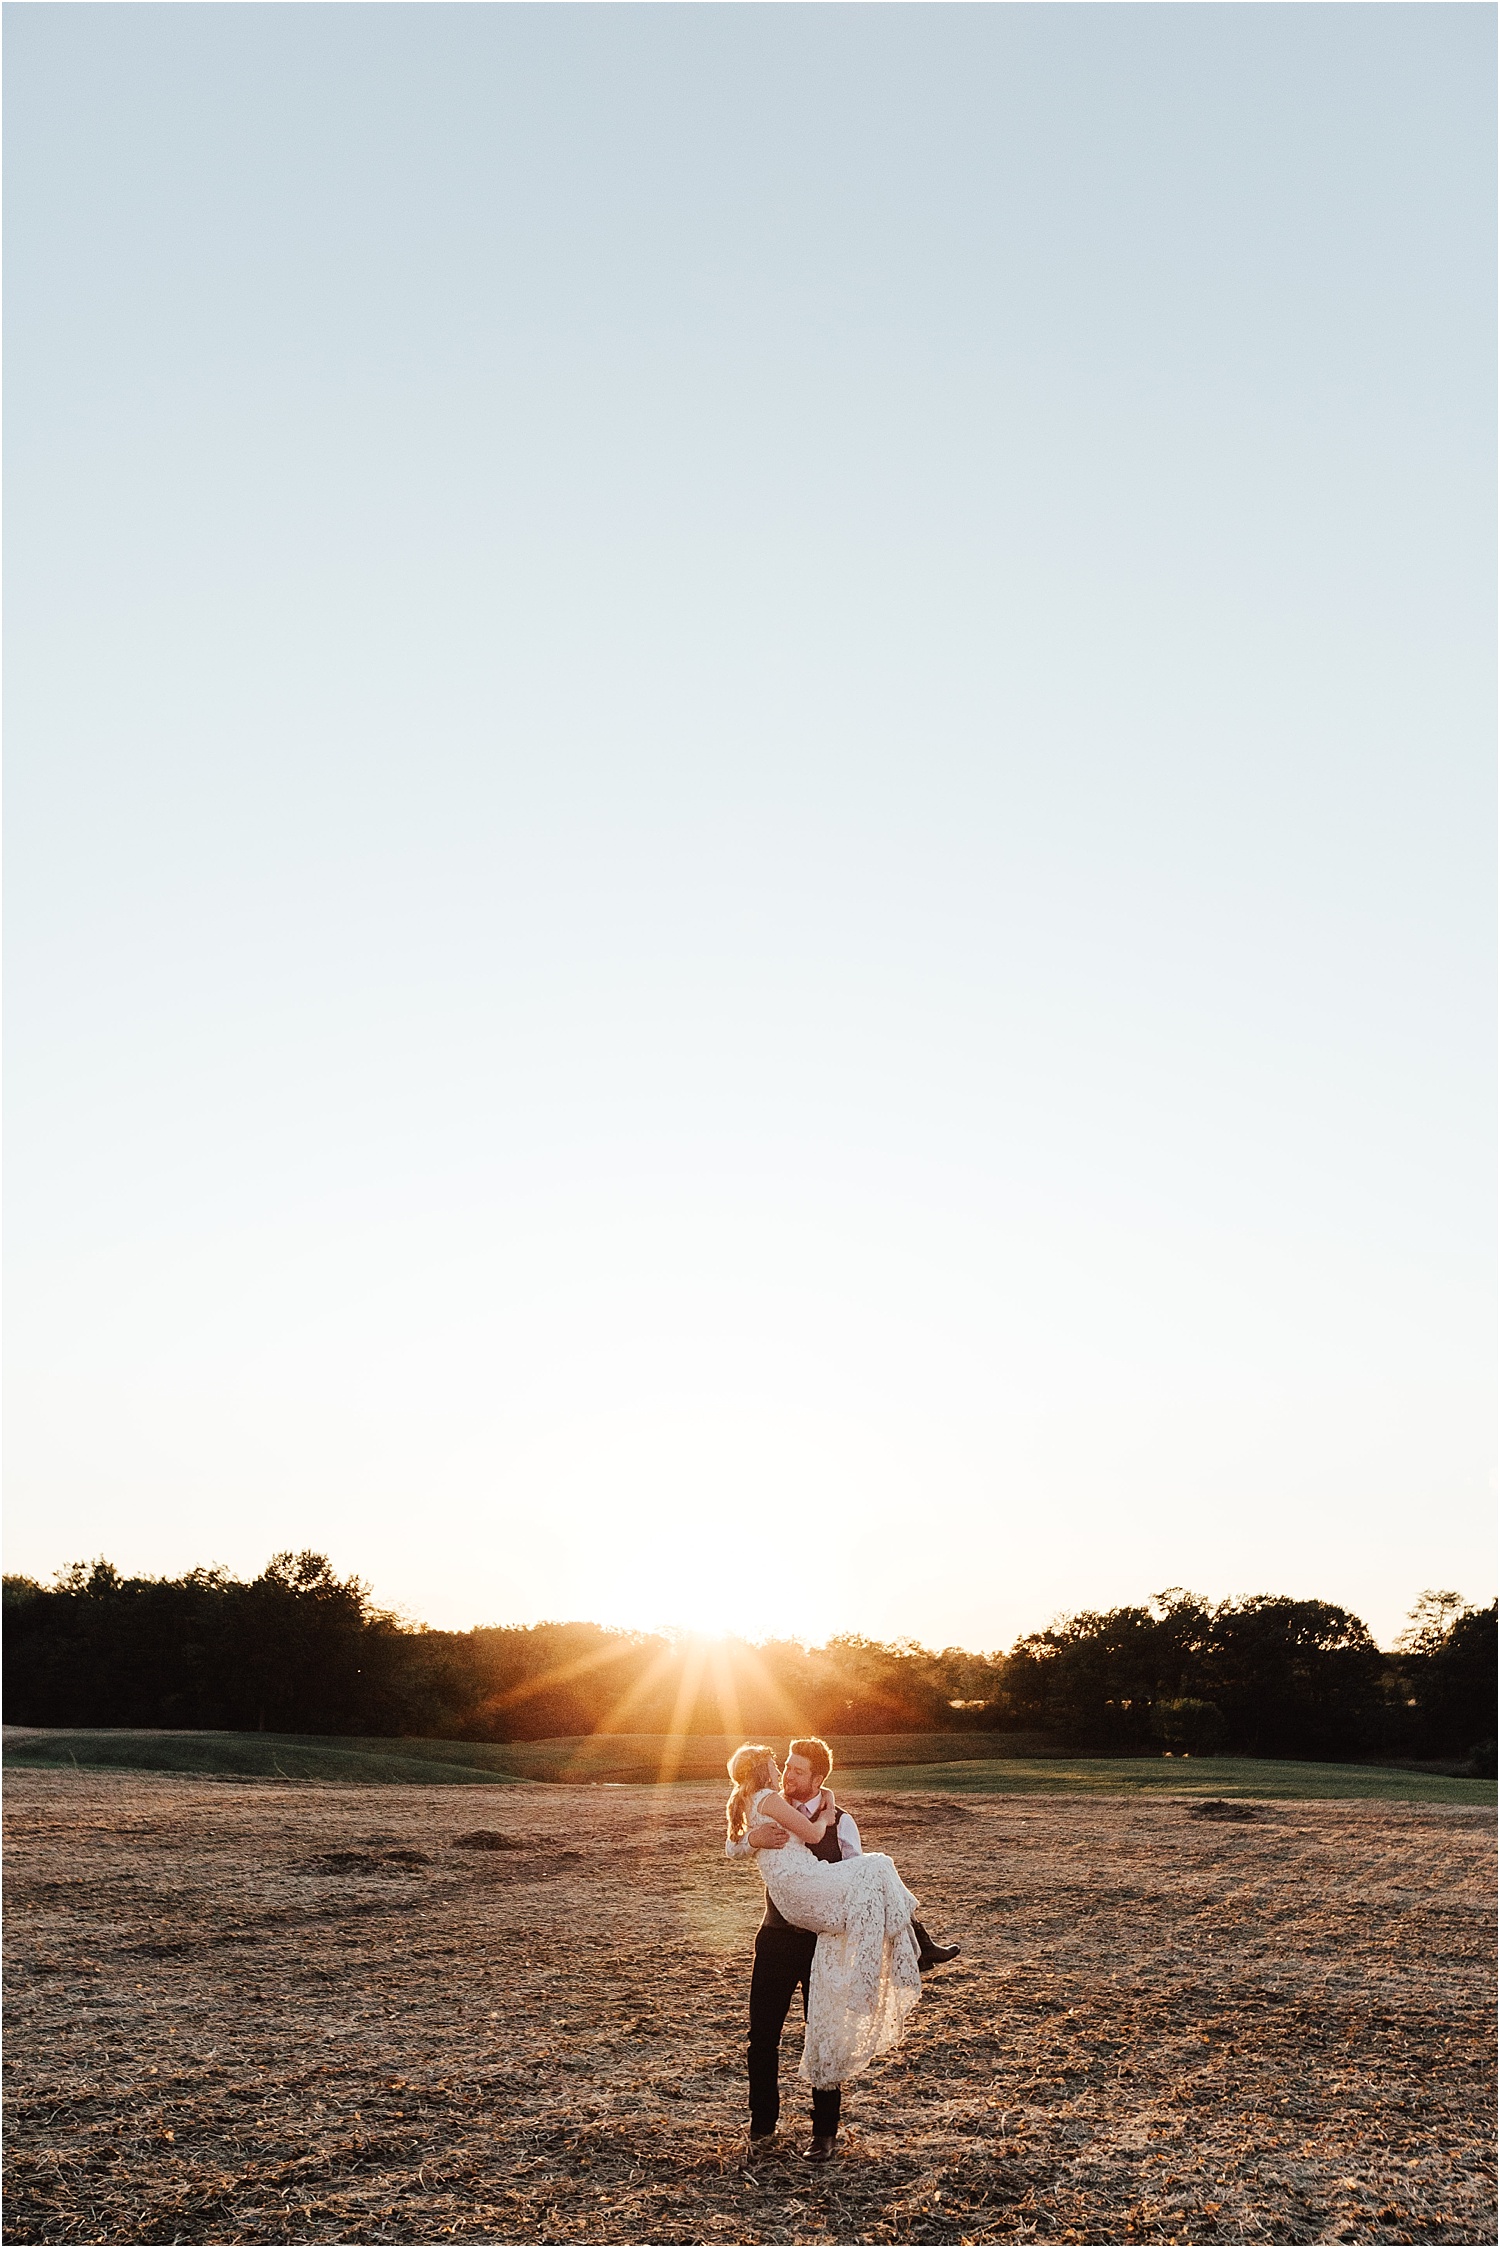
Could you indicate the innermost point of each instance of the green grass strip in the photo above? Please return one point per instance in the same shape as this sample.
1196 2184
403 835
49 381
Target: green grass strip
1207 1775
640 1759
263 1756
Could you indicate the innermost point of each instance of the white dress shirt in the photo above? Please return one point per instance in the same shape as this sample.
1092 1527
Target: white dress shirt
848 1833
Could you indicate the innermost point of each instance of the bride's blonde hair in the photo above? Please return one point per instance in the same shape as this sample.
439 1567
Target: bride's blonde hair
751 1768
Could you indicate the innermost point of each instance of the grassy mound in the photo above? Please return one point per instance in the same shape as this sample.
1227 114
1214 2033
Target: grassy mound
270 1756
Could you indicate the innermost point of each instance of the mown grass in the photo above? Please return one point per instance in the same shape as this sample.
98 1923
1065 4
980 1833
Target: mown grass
245 2013
1206 1775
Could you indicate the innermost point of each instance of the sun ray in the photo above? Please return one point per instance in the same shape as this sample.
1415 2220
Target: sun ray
735 1672
726 1693
771 1686
610 1722
562 1673
695 1658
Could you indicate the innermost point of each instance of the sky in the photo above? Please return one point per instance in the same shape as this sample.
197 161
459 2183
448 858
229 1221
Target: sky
750 809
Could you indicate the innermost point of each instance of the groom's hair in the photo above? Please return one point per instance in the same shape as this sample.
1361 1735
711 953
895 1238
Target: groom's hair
819 1755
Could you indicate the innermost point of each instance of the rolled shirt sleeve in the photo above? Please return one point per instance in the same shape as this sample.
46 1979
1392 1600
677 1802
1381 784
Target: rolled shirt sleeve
850 1845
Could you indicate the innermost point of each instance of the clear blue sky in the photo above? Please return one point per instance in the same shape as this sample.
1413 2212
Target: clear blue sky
750 803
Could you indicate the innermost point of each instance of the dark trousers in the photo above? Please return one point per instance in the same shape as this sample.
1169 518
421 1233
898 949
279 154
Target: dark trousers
783 1963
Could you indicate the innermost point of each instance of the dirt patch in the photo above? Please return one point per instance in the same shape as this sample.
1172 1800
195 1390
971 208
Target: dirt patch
918 1810
386 1862
240 2014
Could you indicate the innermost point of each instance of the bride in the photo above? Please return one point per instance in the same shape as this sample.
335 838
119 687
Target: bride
865 1978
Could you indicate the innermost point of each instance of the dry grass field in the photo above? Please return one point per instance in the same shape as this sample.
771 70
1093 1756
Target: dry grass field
253 2011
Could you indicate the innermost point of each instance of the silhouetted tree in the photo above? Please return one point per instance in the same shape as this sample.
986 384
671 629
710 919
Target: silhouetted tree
1299 1678
299 1649
1448 1664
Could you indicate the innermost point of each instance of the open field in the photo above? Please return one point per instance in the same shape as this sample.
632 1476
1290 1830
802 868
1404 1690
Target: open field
988 1762
252 2011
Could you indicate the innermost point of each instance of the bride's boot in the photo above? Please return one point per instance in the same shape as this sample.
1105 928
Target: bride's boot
929 1954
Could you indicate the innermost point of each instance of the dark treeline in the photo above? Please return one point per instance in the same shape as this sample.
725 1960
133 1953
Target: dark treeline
300 1650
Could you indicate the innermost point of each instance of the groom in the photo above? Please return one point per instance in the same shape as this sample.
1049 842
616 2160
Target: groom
784 1954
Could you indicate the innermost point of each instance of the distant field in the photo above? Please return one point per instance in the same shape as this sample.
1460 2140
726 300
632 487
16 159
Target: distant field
1206 1775
702 1756
619 1757
973 1763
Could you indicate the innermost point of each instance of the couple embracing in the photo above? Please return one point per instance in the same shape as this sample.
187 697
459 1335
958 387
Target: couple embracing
839 1924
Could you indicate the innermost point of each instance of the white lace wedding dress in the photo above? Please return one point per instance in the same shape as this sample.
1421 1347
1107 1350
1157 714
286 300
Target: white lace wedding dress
865 1980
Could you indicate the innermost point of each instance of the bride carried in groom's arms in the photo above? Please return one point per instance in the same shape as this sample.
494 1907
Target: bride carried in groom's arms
839 1923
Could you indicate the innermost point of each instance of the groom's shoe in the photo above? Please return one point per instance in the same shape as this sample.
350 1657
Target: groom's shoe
822 2149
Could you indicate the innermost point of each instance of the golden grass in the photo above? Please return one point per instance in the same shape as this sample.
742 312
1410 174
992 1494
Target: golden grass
245 2011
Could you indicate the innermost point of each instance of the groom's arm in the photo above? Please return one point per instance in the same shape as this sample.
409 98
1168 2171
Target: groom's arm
762 1837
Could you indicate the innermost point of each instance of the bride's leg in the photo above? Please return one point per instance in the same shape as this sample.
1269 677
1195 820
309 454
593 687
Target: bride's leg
900 1903
929 1954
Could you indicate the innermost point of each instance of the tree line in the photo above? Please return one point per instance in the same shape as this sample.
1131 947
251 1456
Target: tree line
299 1649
